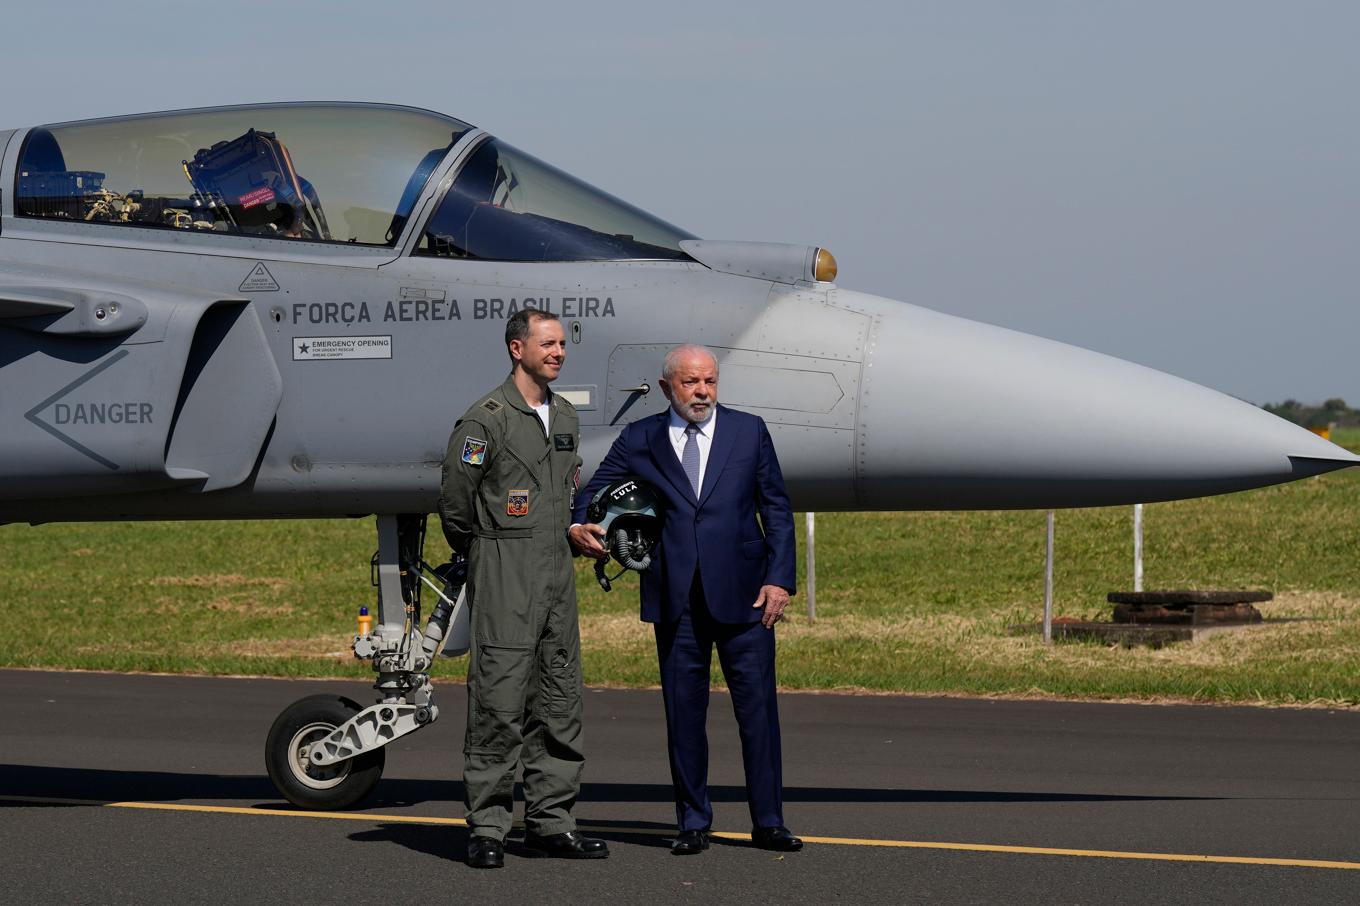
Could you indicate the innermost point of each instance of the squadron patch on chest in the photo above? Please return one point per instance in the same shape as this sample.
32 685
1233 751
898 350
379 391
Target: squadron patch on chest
492 406
474 451
517 502
564 442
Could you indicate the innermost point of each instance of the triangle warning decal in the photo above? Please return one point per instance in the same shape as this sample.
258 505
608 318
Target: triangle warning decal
259 280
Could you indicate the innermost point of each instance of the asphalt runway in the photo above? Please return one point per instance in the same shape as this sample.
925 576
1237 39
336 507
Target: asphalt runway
150 789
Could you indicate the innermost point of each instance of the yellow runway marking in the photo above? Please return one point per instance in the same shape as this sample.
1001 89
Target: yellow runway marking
376 818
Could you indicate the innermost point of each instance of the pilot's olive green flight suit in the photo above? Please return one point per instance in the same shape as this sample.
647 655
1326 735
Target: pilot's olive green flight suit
506 505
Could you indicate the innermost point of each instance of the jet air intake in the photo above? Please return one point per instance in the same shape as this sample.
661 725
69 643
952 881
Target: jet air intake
130 391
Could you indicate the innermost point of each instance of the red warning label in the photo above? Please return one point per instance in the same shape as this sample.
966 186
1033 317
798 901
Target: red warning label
261 195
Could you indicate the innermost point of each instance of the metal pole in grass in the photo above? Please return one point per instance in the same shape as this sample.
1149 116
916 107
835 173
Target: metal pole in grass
812 566
1048 581
1137 547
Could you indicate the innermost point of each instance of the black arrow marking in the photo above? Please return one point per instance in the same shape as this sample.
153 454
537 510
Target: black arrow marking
32 414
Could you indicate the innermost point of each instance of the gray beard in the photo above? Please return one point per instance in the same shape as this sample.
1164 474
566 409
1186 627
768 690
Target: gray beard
688 414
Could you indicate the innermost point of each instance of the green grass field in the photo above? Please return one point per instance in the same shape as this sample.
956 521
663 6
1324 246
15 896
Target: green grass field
906 602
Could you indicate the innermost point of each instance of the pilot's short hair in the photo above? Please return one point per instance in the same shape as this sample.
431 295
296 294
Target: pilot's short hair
517 328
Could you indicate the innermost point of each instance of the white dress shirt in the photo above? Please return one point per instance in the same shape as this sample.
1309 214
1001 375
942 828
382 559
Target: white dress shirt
704 439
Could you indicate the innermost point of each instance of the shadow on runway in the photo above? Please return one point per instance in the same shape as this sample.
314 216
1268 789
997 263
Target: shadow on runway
440 842
451 842
164 786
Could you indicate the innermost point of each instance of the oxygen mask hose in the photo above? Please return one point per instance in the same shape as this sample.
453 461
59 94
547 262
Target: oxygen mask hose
632 551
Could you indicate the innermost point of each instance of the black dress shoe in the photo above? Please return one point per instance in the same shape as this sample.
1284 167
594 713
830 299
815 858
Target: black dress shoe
776 838
689 843
570 845
485 852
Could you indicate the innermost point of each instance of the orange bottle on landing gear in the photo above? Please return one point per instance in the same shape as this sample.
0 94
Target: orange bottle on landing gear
365 621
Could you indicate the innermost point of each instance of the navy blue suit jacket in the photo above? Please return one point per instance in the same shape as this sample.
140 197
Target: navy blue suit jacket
718 529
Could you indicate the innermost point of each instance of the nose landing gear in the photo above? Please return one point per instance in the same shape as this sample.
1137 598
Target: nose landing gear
326 751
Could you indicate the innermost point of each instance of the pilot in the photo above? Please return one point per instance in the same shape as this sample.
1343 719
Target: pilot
509 479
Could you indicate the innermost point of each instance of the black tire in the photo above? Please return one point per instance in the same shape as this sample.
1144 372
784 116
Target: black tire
335 787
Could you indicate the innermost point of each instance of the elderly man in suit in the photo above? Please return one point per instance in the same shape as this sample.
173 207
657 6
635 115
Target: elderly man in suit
719 578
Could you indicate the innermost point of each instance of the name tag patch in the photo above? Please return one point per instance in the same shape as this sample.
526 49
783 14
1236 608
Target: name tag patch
517 503
564 442
474 451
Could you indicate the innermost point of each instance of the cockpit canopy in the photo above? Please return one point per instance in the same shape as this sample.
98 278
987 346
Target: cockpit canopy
333 173
508 206
341 173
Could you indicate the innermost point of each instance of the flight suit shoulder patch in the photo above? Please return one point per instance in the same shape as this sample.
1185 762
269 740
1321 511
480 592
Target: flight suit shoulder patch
474 450
492 405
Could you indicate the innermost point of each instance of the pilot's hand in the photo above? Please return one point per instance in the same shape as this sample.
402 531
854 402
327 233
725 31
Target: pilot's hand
585 540
774 599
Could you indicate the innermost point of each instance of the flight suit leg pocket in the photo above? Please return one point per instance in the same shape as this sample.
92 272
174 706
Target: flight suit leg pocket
498 686
559 678
502 609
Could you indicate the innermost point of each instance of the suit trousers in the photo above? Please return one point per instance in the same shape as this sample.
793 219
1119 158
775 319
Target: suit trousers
746 654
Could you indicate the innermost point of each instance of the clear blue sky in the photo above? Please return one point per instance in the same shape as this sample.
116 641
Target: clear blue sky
1173 183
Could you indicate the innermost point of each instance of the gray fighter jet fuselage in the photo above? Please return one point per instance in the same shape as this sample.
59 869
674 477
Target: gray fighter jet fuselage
278 311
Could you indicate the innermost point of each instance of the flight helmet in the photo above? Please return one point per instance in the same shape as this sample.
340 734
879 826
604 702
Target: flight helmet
630 511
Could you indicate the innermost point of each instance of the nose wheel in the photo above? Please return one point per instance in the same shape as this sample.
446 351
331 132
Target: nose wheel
288 750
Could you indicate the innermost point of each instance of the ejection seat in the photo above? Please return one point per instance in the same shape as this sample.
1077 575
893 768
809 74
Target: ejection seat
45 187
250 185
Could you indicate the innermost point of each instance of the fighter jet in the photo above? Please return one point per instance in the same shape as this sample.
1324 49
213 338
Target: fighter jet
279 310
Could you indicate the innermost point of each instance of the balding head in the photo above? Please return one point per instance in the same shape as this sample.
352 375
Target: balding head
689 378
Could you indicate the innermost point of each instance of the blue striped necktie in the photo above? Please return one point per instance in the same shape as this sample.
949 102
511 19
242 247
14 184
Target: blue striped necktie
689 458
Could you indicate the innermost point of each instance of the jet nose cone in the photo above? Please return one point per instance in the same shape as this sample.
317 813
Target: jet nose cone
961 415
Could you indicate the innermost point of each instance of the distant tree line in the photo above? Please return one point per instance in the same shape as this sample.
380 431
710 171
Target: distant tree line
1333 411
